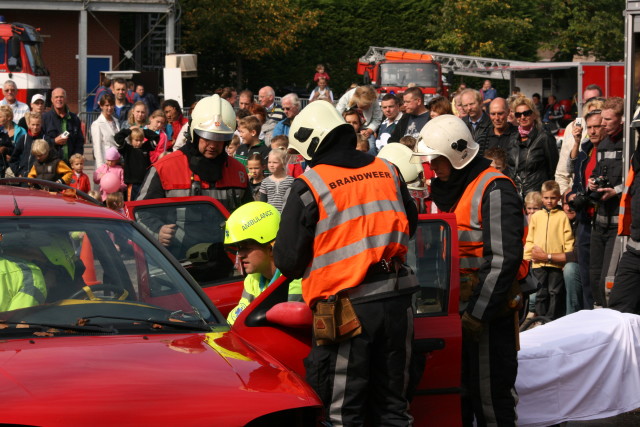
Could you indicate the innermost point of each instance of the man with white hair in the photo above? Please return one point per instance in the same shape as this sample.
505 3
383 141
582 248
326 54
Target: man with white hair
9 92
266 98
291 107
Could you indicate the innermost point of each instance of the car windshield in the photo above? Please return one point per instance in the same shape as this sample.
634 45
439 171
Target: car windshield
401 74
90 273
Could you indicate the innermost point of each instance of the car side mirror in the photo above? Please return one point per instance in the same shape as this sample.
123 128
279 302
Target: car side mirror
291 314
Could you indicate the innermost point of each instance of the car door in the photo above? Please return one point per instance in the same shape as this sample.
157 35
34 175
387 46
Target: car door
438 337
197 243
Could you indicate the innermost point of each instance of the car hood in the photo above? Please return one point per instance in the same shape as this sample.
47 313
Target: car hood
194 379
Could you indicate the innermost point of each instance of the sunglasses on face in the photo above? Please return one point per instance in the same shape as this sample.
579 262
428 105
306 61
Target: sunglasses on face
523 113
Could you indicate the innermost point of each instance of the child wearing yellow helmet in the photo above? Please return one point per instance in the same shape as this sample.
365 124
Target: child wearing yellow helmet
250 232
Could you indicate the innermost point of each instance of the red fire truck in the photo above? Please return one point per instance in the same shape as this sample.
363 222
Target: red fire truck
21 60
391 70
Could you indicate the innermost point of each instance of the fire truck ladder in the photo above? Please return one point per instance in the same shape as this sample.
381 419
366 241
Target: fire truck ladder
473 66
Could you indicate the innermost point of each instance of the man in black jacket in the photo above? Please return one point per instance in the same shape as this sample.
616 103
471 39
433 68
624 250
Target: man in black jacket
476 120
500 131
415 115
63 127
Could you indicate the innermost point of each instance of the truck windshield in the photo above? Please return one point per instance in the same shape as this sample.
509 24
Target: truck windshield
35 59
401 74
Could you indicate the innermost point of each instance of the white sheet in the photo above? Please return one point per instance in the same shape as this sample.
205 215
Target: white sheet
580 367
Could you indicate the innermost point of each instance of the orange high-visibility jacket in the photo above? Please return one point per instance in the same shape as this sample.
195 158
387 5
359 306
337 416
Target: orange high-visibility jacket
361 222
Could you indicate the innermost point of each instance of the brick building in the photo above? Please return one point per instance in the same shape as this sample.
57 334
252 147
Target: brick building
76 32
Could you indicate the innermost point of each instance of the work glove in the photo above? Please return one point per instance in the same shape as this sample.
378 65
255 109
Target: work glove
471 327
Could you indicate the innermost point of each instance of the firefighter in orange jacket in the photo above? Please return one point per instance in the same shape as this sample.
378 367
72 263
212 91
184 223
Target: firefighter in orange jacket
349 220
490 228
625 294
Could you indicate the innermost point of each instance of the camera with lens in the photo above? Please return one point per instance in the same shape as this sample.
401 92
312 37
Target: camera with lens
580 202
600 182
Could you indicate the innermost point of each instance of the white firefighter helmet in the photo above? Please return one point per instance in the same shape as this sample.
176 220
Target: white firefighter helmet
311 126
400 156
214 119
447 136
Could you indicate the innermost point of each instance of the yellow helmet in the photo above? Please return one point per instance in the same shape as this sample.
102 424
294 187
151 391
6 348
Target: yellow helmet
213 118
60 252
257 221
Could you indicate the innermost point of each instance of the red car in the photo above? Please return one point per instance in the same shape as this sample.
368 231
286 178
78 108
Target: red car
283 330
99 325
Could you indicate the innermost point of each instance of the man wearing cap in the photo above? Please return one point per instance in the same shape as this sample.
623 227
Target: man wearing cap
9 91
490 230
37 106
201 166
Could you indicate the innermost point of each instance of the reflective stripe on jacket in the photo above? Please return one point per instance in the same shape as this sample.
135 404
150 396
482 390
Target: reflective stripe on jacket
254 286
361 222
469 218
21 285
624 214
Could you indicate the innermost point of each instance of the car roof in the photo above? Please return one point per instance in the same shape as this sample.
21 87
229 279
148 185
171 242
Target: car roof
39 203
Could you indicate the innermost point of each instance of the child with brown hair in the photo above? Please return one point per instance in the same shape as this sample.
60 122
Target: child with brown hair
115 202
157 122
275 188
409 141
255 171
249 131
363 143
137 156
233 146
498 158
47 165
320 73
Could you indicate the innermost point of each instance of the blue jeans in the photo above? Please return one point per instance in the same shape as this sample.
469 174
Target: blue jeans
573 286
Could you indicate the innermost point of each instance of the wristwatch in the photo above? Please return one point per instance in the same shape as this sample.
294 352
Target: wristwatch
549 257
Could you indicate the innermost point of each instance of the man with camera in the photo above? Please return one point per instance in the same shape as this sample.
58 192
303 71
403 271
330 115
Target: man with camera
596 194
582 161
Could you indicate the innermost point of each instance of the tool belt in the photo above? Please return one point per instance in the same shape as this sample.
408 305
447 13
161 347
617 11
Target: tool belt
335 320
468 284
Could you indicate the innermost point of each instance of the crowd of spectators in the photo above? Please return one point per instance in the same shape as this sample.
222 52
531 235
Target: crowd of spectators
582 178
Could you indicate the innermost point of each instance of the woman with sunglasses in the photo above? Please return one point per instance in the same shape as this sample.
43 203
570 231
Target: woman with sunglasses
533 154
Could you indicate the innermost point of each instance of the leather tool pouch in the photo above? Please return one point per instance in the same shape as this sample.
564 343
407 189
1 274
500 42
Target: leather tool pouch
468 284
335 320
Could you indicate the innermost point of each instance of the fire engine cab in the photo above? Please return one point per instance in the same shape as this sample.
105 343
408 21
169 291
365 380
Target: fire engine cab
21 60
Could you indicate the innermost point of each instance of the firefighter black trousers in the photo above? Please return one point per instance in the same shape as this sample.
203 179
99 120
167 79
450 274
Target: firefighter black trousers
367 377
489 369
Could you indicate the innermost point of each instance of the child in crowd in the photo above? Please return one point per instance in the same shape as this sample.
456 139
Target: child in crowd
249 129
156 124
363 143
137 156
281 142
320 73
354 118
498 158
549 230
21 160
275 188
255 170
322 92
409 141
233 146
95 194
47 165
80 180
115 202
112 166
532 203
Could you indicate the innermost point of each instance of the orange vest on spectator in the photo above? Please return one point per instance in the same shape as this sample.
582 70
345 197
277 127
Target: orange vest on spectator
361 222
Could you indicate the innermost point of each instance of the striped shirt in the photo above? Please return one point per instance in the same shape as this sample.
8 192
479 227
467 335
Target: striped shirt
275 192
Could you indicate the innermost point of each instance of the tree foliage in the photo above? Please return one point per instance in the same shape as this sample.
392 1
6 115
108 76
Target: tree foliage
280 43
594 28
245 29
